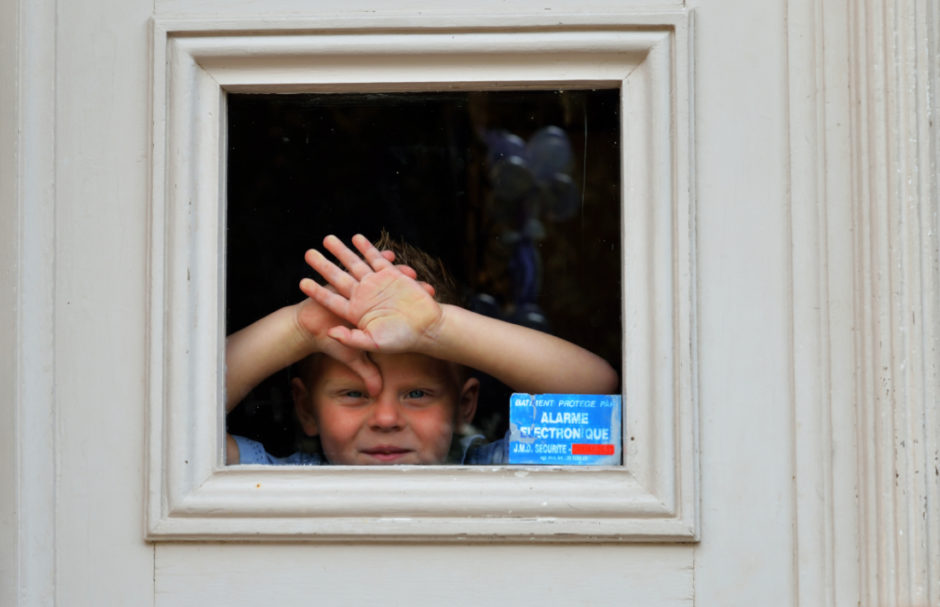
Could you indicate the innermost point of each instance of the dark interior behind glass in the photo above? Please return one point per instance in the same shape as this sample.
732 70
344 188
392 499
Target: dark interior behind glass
518 192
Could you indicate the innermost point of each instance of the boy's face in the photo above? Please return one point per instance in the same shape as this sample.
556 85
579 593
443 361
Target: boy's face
411 421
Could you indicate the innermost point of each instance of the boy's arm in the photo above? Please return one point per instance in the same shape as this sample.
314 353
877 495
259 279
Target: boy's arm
281 339
524 359
392 313
255 352
260 350
276 341
287 335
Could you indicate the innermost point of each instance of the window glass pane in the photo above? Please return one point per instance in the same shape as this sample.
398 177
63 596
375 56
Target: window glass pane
517 192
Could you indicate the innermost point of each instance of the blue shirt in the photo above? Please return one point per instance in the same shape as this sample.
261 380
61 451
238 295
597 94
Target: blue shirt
474 451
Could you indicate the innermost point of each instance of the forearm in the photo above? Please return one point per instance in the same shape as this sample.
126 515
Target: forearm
524 359
260 350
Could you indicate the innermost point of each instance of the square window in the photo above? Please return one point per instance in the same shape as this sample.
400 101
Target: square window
200 67
517 192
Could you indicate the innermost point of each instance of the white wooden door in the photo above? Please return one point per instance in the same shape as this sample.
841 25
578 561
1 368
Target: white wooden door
812 242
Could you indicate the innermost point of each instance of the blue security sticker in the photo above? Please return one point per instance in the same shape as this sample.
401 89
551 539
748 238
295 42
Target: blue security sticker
565 429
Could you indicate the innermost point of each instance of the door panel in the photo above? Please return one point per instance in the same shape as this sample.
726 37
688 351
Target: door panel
423 575
101 200
95 251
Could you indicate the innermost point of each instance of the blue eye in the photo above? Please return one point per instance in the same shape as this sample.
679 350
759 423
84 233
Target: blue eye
416 394
354 394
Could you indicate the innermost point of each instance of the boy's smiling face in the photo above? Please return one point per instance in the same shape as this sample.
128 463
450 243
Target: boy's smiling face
411 421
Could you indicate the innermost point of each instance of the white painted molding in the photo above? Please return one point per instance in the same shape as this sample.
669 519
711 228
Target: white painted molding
27 328
894 83
866 300
824 327
415 12
193 496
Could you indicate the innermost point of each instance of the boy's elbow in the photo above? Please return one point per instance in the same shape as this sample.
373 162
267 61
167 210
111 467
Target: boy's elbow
609 380
232 456
594 376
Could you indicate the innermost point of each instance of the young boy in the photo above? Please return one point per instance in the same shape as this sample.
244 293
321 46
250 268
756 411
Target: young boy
384 376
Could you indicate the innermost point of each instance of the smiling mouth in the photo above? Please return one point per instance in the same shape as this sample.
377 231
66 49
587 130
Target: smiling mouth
386 453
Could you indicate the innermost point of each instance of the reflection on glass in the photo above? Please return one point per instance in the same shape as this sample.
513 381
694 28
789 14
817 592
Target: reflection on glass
517 192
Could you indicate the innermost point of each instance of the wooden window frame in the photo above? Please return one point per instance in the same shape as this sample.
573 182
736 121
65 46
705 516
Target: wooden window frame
193 496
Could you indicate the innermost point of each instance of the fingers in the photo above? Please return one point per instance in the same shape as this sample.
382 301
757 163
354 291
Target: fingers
369 373
358 361
407 271
341 281
372 255
354 264
410 273
332 301
356 267
353 338
373 381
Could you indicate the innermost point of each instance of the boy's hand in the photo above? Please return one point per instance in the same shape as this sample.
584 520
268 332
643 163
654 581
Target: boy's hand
314 322
390 311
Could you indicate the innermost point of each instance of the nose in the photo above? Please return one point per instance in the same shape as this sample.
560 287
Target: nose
386 413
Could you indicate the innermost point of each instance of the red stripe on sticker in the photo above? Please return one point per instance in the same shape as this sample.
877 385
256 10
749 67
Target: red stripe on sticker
589 449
